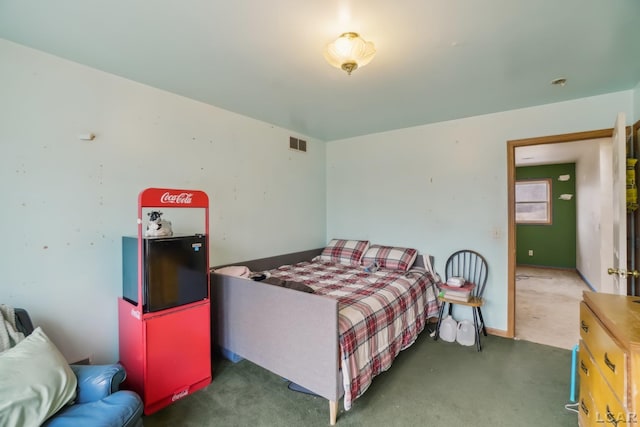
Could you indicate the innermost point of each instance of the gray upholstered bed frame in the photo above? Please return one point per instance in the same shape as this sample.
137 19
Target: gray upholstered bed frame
290 333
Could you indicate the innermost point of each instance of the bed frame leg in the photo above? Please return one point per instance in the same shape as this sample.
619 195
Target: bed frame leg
333 412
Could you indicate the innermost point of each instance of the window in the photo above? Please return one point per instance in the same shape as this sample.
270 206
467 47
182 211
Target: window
533 201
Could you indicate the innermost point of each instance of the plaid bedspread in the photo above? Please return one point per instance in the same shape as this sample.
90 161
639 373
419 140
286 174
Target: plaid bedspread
380 314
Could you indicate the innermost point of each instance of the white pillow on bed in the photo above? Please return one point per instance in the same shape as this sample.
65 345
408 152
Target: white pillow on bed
234 270
347 252
35 381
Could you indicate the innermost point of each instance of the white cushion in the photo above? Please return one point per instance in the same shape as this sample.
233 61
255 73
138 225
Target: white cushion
234 270
35 381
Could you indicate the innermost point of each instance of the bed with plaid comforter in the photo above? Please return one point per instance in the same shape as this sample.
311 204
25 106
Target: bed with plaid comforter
380 313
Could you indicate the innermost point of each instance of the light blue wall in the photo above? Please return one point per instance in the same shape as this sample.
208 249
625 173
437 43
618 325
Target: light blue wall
66 202
443 187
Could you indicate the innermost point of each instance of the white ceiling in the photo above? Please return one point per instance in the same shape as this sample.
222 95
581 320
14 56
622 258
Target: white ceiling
565 152
437 59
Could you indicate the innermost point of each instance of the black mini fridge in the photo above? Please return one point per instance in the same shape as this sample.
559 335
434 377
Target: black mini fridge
174 271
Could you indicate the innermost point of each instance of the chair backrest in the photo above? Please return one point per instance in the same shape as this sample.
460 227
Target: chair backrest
470 265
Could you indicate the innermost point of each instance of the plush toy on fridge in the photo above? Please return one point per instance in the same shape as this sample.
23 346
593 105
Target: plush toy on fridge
157 226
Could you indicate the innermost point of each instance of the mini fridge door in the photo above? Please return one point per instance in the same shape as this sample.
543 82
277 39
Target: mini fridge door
175 271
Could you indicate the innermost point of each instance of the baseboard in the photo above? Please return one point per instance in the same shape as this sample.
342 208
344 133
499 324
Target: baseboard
499 333
550 267
585 280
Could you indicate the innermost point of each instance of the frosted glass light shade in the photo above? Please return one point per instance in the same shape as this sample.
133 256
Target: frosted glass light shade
349 52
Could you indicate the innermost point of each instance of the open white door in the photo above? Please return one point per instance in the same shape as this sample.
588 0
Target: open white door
618 269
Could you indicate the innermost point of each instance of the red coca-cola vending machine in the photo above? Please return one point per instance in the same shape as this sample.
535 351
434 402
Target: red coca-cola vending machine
164 312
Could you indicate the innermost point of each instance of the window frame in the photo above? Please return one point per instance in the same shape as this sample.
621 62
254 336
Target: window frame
548 202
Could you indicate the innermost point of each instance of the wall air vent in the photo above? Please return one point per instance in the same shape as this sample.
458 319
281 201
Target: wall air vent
297 144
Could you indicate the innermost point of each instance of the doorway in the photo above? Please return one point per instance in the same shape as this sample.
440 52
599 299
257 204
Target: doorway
511 165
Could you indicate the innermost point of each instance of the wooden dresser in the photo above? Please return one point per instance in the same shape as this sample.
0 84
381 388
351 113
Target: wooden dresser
609 360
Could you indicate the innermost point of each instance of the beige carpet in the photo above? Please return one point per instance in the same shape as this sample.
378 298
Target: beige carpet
547 306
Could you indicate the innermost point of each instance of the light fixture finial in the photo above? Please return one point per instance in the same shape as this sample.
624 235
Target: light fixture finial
349 67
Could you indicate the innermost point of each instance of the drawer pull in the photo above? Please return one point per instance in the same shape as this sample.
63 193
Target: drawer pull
611 418
584 326
584 407
584 368
608 362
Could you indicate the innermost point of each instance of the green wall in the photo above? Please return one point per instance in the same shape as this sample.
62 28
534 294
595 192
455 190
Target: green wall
553 245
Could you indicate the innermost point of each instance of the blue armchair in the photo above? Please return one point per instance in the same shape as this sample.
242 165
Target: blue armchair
99 402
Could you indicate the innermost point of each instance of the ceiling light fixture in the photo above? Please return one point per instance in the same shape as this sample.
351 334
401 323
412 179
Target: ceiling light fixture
559 82
349 52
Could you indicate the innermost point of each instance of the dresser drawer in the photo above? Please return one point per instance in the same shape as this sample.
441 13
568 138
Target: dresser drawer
607 355
586 409
608 409
586 371
586 368
599 403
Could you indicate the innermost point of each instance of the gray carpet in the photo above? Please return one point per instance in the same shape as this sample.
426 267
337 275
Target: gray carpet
509 383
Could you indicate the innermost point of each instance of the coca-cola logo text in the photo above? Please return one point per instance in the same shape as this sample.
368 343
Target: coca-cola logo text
180 198
180 394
